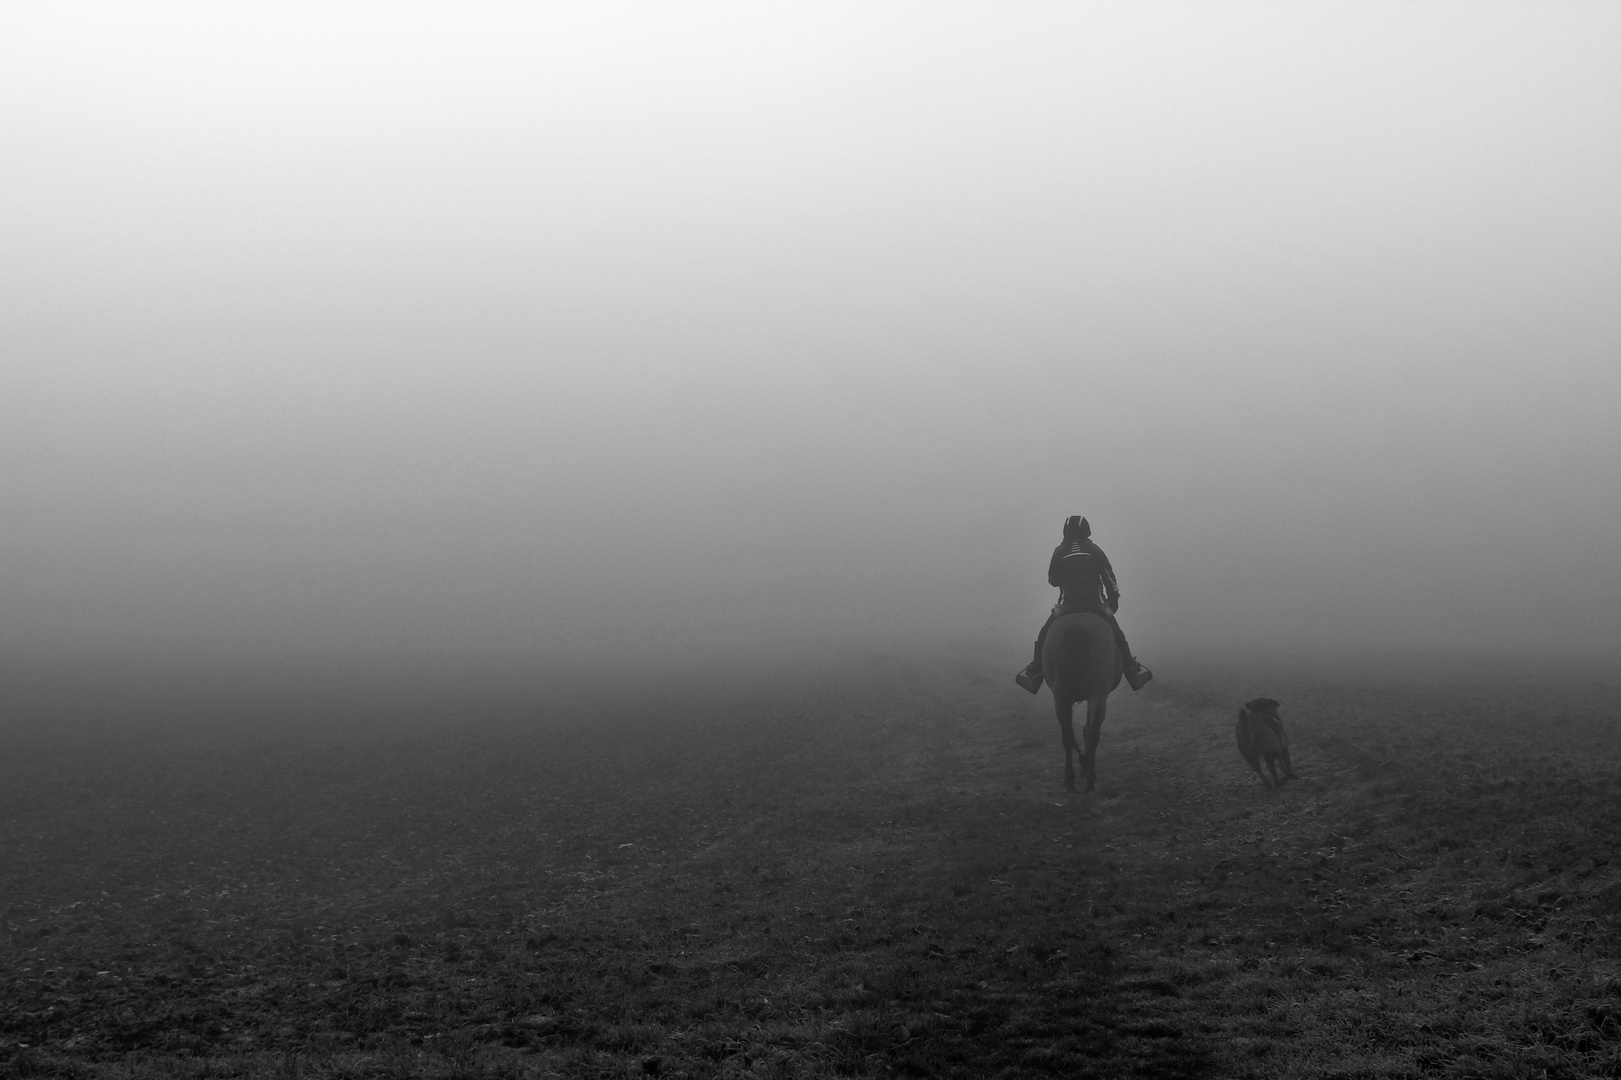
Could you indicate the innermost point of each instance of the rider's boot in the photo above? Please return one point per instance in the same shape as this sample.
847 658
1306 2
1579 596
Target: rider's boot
1030 677
1136 674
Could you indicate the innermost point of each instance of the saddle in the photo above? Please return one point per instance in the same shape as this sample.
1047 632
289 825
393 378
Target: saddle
1080 608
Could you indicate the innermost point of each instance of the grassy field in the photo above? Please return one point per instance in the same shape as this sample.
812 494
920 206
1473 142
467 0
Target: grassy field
876 873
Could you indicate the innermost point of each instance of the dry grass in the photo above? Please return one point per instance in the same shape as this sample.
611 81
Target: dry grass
884 879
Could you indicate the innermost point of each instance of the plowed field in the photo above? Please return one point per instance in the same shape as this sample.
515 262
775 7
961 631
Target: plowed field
874 872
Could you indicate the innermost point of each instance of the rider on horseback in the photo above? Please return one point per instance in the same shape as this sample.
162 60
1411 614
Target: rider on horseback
1085 582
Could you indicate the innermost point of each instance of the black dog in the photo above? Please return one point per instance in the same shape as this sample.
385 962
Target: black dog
1261 735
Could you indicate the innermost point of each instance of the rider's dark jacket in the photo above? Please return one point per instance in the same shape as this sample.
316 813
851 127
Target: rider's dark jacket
1084 578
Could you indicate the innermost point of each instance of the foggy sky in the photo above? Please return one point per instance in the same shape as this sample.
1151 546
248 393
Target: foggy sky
580 334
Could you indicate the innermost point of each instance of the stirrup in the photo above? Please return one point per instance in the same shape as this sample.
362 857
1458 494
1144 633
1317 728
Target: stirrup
1138 676
1030 682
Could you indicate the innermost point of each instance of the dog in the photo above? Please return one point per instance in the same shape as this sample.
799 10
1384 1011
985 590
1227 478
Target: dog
1261 735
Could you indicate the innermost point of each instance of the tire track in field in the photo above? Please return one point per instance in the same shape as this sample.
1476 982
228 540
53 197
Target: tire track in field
1353 880
1176 811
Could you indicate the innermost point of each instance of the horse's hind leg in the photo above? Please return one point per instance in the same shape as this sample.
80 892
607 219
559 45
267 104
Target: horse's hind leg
1066 728
1094 729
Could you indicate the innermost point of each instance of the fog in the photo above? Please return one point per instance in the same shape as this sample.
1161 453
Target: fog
630 338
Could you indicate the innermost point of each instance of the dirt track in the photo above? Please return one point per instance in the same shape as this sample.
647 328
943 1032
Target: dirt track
879 874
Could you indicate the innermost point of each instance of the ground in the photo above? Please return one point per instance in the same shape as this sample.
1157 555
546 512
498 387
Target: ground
870 872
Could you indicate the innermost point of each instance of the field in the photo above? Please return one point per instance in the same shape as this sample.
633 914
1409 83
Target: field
873 871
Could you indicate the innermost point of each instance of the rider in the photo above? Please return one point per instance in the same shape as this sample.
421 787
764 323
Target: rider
1085 582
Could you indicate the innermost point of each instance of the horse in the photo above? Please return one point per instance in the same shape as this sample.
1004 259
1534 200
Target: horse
1261 736
1081 663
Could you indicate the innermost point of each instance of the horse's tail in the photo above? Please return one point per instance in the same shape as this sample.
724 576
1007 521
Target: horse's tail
1086 658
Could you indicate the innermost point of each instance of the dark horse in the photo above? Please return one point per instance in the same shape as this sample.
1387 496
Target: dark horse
1082 664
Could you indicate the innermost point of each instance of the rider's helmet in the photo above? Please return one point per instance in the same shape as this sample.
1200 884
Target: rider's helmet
1076 528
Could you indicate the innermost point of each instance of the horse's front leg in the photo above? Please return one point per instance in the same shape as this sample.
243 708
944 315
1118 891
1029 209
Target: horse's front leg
1094 730
1066 729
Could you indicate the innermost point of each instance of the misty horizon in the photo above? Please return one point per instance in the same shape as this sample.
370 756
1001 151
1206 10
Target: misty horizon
591 337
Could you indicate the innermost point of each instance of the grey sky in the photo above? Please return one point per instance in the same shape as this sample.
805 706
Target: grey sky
514 331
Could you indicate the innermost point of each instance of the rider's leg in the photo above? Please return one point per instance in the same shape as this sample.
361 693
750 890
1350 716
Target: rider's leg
1135 673
1119 636
1030 677
1041 639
